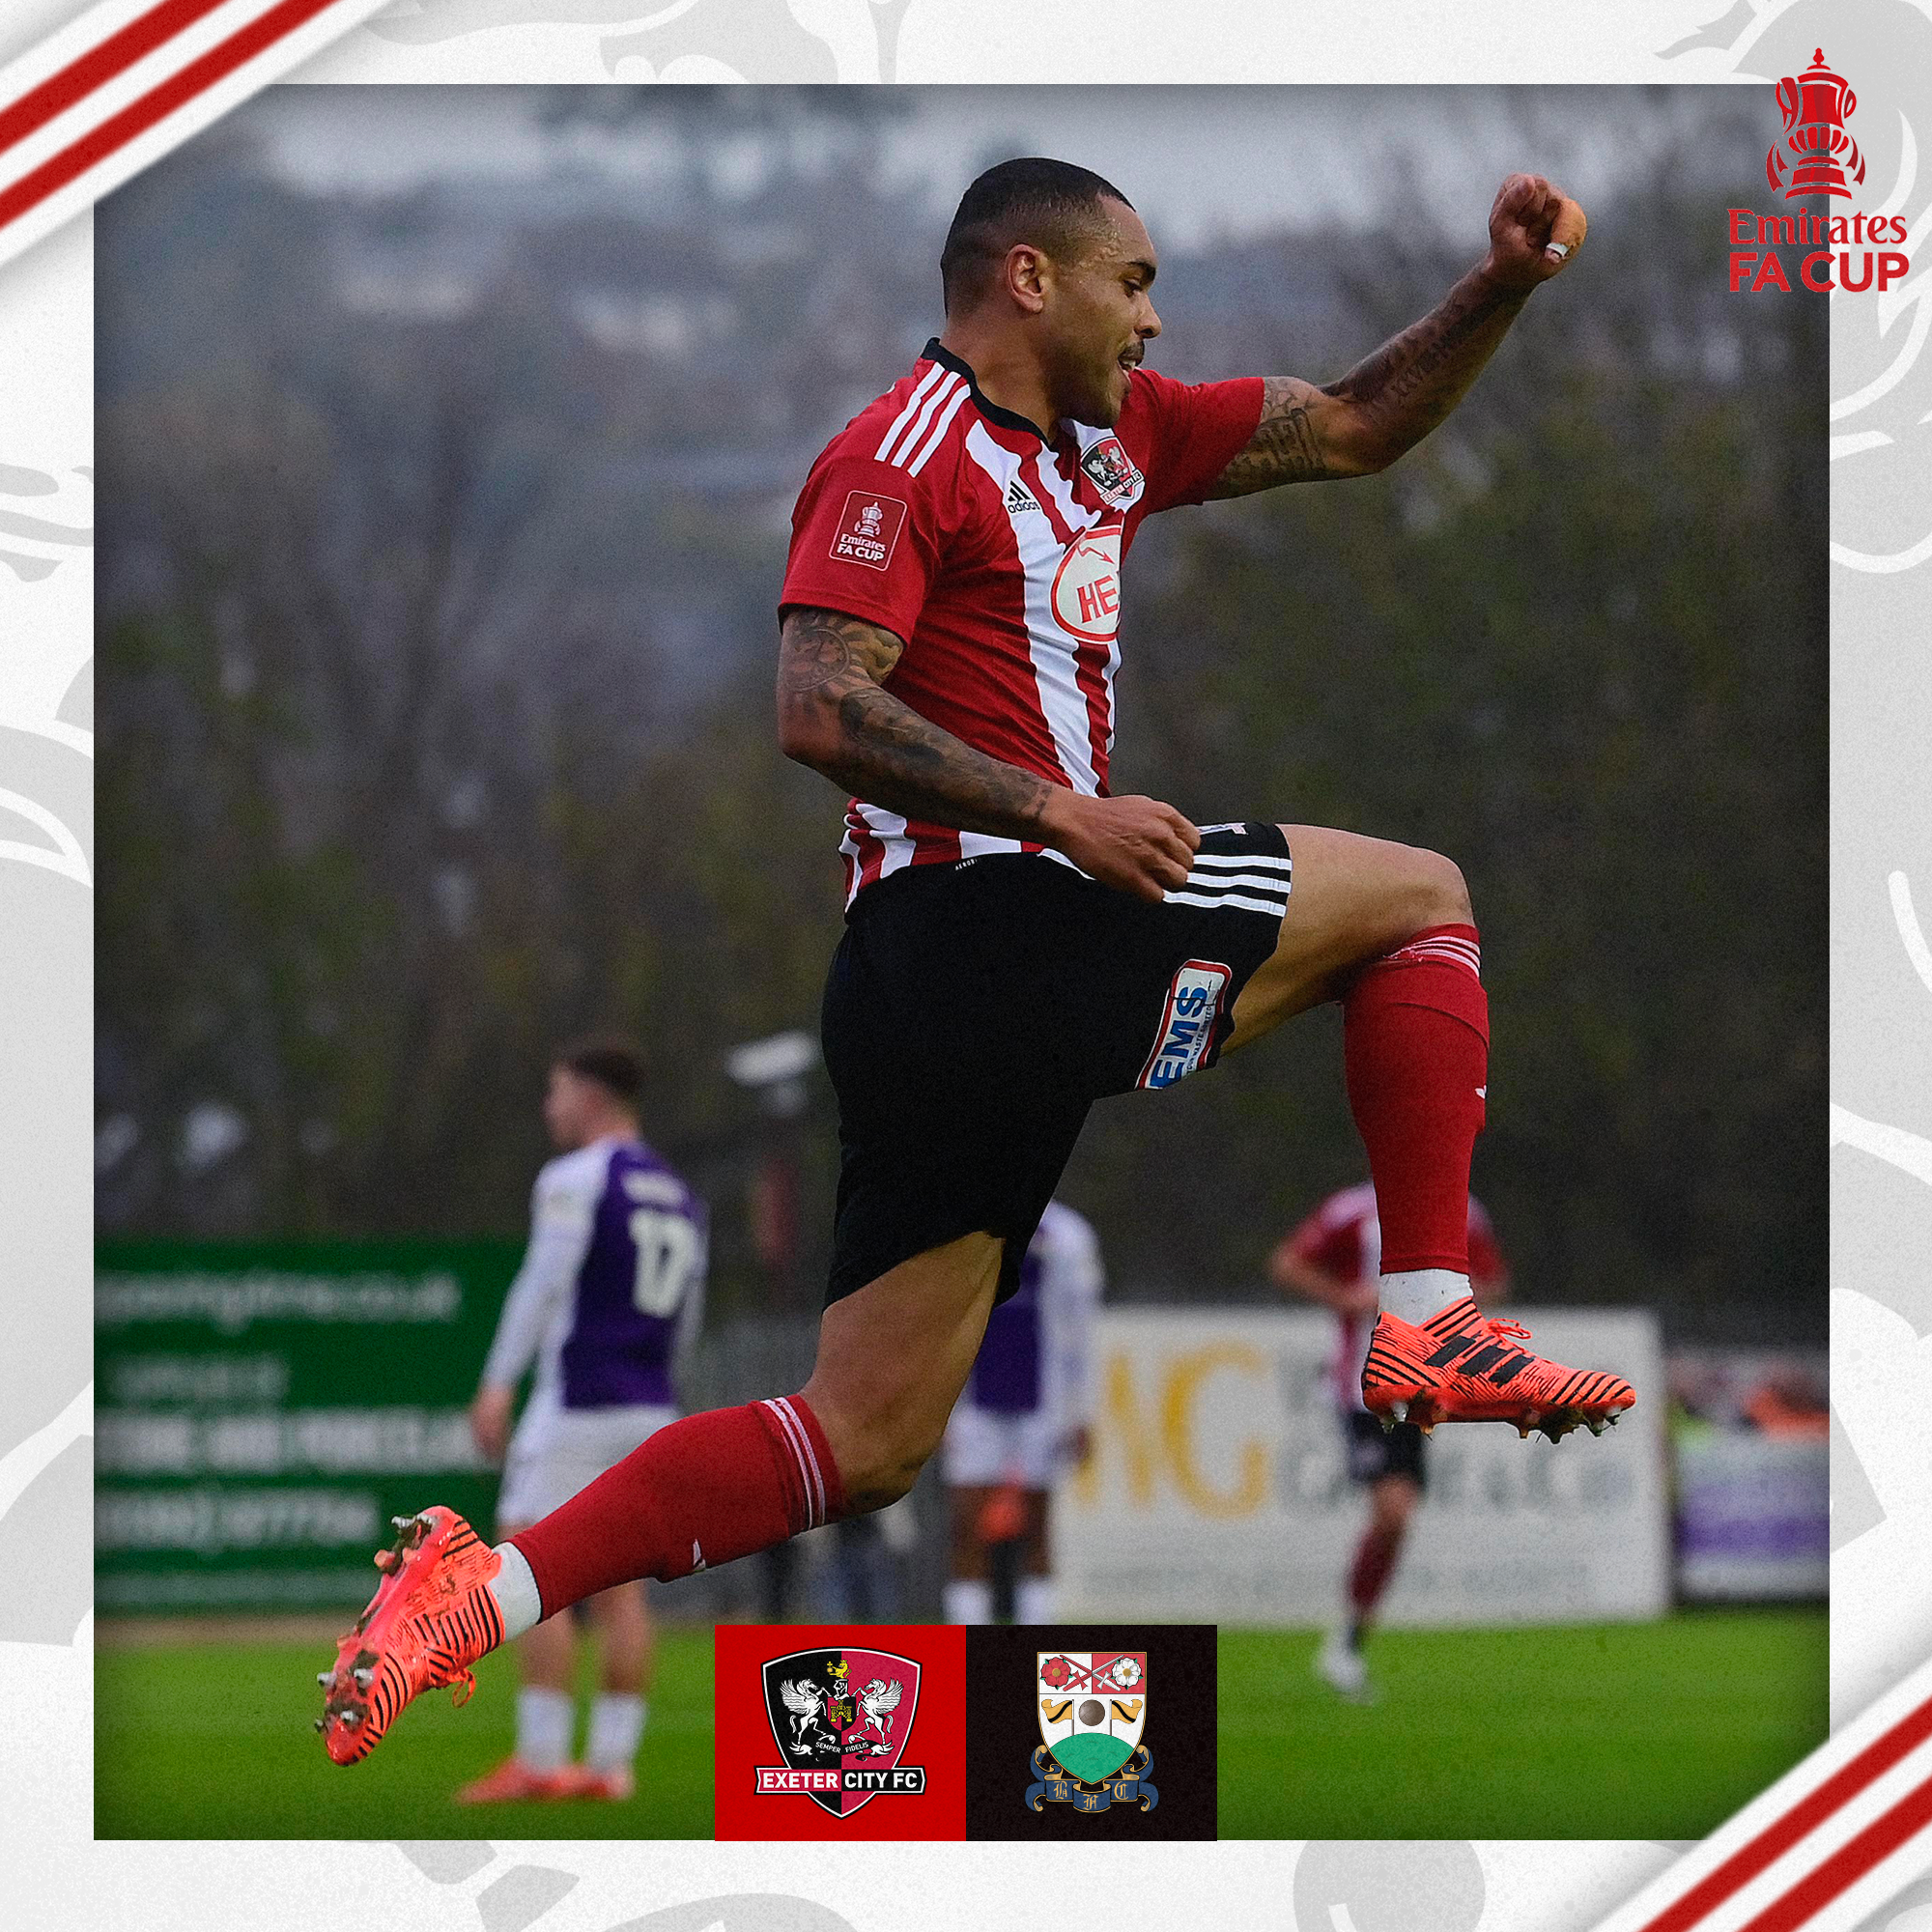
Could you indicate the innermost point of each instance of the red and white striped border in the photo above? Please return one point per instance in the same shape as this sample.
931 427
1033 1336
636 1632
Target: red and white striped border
128 81
105 95
1823 1848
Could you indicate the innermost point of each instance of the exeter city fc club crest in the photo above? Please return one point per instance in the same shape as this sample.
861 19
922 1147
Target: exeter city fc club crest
1113 472
1093 1710
840 1718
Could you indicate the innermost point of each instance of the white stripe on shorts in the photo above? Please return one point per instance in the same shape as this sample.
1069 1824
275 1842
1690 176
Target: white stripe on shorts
1267 861
1273 907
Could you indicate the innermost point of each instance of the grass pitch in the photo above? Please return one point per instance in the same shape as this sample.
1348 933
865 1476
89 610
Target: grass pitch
213 1740
1593 1731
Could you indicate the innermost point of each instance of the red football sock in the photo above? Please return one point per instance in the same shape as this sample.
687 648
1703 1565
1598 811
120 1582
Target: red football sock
1373 1566
702 1491
1415 1041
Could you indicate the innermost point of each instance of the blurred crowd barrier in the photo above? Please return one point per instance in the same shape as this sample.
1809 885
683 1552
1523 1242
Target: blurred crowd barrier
266 1407
1750 1450
1218 1490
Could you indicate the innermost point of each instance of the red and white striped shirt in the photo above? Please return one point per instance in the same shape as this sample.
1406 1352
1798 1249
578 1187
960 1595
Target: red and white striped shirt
996 557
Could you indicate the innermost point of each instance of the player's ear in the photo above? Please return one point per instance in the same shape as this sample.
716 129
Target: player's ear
1027 274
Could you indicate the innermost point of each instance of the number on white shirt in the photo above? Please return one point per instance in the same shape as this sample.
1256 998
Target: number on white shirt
667 1246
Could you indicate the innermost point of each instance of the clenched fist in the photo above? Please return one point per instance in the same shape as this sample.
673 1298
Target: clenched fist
1535 230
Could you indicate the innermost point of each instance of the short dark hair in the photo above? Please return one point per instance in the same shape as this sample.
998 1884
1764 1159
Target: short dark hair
610 1062
1032 199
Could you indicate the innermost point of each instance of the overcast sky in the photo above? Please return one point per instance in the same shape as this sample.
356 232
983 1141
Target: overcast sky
1195 161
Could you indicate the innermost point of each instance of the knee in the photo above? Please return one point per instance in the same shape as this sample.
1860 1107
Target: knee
881 1483
1440 894
1393 1505
878 1462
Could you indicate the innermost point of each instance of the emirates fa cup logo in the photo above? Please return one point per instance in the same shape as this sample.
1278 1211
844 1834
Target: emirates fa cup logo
1815 105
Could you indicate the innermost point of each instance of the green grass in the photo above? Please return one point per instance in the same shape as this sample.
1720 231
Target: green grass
214 1741
1598 1731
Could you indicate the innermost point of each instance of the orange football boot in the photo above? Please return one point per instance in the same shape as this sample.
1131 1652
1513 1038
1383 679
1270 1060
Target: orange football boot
582 1780
431 1618
514 1779
1459 1365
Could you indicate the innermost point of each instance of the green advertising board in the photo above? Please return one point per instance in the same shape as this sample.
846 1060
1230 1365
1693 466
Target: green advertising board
265 1408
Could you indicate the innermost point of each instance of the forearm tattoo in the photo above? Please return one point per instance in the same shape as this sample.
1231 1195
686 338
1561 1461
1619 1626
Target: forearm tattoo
832 671
1383 406
1409 384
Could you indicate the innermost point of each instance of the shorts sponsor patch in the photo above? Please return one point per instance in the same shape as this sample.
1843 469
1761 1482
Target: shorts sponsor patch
1187 1023
869 529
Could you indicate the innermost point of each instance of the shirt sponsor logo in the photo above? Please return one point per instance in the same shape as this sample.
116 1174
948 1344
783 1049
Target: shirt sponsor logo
1087 587
1113 472
1188 1025
1019 498
869 529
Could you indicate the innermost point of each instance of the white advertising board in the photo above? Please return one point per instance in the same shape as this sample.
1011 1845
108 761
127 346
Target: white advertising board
1218 1491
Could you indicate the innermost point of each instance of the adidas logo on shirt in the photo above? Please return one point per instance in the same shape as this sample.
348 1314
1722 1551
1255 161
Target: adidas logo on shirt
1019 498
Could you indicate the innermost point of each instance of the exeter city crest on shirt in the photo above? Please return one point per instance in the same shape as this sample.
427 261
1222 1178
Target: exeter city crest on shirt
840 1720
1113 471
1092 1712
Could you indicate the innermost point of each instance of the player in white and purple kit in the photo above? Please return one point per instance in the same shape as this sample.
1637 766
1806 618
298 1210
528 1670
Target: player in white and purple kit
609 1290
1022 1419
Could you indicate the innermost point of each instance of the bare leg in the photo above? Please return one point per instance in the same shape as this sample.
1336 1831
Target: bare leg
1036 1559
1034 1598
623 1620
1392 1501
1355 899
892 1361
965 1501
711 1487
545 1655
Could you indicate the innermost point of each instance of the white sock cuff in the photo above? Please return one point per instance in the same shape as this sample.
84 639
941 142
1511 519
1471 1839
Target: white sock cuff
1416 1293
545 1719
1034 1600
515 1589
617 1730
967 1602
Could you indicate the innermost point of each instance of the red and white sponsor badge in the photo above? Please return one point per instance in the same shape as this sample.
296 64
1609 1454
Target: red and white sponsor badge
869 529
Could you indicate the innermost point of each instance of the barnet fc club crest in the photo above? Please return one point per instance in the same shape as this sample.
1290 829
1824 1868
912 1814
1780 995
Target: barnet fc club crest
1093 1710
840 1720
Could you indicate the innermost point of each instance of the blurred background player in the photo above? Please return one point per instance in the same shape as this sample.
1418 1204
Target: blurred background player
1021 1420
1334 1257
609 1291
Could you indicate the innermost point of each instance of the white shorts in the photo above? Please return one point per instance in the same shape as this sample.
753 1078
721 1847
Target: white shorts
984 1449
557 1451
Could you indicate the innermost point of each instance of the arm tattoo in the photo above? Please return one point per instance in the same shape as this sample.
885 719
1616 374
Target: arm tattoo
1383 406
1413 383
832 671
816 647
1285 447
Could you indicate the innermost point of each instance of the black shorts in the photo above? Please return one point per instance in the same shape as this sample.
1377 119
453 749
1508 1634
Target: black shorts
974 1011
1373 1454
